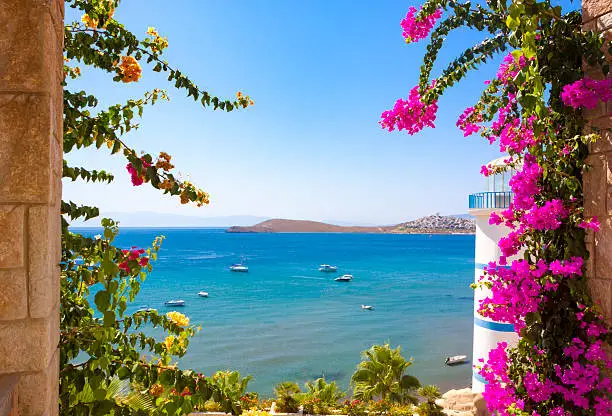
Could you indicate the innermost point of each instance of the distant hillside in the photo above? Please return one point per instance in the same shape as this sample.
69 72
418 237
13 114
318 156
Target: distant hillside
300 226
433 224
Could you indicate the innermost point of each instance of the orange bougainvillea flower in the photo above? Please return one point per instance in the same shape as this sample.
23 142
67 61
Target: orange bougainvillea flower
130 69
156 390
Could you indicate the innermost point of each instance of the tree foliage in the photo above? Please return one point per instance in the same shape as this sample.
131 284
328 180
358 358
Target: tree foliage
108 363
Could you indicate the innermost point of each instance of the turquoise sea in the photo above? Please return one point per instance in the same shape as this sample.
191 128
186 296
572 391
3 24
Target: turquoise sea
285 320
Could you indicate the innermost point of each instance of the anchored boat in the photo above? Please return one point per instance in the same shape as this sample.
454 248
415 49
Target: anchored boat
456 359
239 268
344 278
327 268
179 302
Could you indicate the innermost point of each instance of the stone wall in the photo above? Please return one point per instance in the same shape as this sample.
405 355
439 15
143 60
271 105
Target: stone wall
597 15
31 44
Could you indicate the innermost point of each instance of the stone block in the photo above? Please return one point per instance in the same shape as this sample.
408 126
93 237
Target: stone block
43 257
25 148
590 263
602 123
597 112
480 406
8 395
603 249
12 219
592 9
13 296
595 186
28 344
601 292
604 143
39 391
29 46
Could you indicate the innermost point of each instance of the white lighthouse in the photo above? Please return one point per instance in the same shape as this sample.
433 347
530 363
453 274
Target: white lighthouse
495 198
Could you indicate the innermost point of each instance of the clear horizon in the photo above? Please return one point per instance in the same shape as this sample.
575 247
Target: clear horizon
311 147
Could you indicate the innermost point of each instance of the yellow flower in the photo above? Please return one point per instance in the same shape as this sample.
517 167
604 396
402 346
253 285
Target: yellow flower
169 342
151 31
178 318
130 69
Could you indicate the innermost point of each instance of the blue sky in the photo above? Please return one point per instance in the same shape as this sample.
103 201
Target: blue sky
320 72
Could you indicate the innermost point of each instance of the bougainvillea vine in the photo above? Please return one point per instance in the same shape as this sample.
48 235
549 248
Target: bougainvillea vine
533 110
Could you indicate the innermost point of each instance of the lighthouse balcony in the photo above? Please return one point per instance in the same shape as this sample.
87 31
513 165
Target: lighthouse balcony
490 200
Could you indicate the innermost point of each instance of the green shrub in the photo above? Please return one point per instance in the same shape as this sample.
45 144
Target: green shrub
328 393
355 408
402 410
380 375
378 407
429 407
286 400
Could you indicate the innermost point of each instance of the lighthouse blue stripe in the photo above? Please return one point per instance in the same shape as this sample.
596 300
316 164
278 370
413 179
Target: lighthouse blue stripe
481 266
479 377
494 326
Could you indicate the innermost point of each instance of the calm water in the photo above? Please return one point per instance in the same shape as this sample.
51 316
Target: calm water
285 320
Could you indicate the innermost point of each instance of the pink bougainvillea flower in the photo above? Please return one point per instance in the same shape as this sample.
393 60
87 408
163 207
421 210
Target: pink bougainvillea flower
413 29
411 115
587 93
592 224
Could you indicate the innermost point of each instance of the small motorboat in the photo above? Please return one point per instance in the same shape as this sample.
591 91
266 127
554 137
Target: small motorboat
146 309
239 268
367 307
344 278
179 302
203 294
456 359
327 268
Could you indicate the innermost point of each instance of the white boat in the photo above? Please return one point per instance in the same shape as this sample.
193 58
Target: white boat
327 268
239 268
203 294
456 359
146 309
367 307
344 278
179 302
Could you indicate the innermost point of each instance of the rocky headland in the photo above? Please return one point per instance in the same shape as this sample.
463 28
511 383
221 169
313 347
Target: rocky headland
432 224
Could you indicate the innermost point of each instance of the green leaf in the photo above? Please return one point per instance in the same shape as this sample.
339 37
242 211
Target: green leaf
102 300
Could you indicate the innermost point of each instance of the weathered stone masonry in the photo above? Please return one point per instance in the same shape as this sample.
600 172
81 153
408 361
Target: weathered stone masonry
597 15
31 45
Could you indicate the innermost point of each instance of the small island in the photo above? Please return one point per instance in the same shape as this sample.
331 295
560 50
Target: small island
432 224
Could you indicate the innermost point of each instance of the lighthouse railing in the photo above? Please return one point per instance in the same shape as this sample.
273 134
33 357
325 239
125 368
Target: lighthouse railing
490 200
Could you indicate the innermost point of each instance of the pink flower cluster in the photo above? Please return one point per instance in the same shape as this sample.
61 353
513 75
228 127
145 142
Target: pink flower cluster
133 255
510 67
413 29
592 224
467 121
524 183
411 115
516 136
546 217
587 93
137 179
515 291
